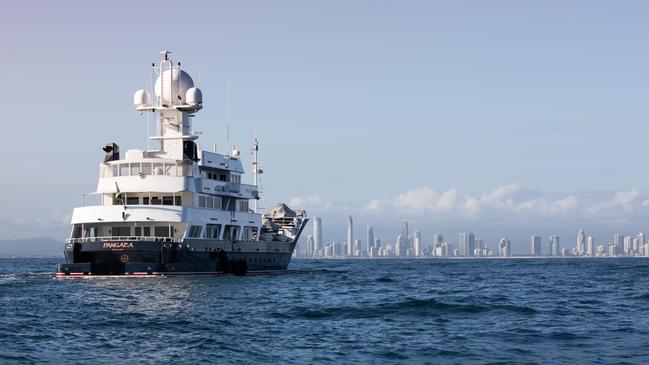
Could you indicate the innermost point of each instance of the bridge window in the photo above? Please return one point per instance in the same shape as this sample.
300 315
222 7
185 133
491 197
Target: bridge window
194 231
249 233
231 233
132 201
213 231
167 200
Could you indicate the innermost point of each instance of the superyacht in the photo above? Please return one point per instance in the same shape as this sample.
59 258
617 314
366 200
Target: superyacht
177 209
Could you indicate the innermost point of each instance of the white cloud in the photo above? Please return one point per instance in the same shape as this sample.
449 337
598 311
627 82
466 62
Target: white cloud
513 202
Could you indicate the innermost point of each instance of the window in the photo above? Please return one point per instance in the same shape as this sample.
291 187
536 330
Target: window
135 169
243 205
76 232
201 201
138 231
132 201
145 200
167 200
123 169
121 231
209 175
194 231
217 203
146 168
156 201
222 177
157 168
113 170
170 169
210 203
231 233
249 233
234 178
213 231
146 231
178 200
162 231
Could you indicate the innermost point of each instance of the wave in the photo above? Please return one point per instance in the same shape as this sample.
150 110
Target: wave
408 307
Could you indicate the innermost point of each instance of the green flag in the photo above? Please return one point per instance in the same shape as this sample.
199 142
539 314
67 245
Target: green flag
119 194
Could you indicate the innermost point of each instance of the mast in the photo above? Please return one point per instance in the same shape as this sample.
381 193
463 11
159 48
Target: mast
255 172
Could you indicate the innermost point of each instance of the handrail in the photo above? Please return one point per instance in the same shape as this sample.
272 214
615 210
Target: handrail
123 238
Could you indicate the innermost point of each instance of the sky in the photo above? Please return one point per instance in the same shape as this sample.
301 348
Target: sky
503 118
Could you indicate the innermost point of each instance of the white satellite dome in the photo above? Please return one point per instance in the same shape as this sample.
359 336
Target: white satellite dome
180 83
194 96
141 98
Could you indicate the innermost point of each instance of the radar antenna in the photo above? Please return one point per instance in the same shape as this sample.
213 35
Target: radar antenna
256 171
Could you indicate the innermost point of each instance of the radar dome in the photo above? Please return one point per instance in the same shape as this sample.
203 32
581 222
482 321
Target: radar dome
180 82
194 96
141 98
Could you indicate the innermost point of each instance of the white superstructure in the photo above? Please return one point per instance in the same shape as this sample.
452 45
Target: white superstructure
177 191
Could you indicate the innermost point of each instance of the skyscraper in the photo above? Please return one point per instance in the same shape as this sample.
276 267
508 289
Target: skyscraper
591 246
535 242
628 246
317 234
417 242
370 238
310 246
581 242
467 244
504 247
350 236
399 247
555 248
357 248
404 233
618 243
438 239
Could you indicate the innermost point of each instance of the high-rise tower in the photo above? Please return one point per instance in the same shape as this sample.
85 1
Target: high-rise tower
416 237
317 234
404 233
370 238
535 243
467 244
581 242
555 248
350 236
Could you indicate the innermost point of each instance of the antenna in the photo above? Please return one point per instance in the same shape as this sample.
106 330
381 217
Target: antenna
227 115
256 171
148 131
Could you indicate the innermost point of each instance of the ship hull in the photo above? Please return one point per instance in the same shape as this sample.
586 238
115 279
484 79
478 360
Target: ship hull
189 257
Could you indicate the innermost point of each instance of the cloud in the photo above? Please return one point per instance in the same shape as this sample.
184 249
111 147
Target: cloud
622 201
507 202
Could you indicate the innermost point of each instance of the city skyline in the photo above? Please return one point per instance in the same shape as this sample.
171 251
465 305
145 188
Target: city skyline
468 245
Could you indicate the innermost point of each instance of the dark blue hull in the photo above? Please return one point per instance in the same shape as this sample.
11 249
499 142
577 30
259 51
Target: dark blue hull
152 258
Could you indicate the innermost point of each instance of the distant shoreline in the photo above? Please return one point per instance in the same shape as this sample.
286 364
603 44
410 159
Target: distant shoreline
474 258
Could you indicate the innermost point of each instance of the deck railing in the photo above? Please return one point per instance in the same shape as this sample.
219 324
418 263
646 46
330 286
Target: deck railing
123 238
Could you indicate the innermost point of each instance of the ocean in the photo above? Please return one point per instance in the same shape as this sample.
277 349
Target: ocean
429 311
